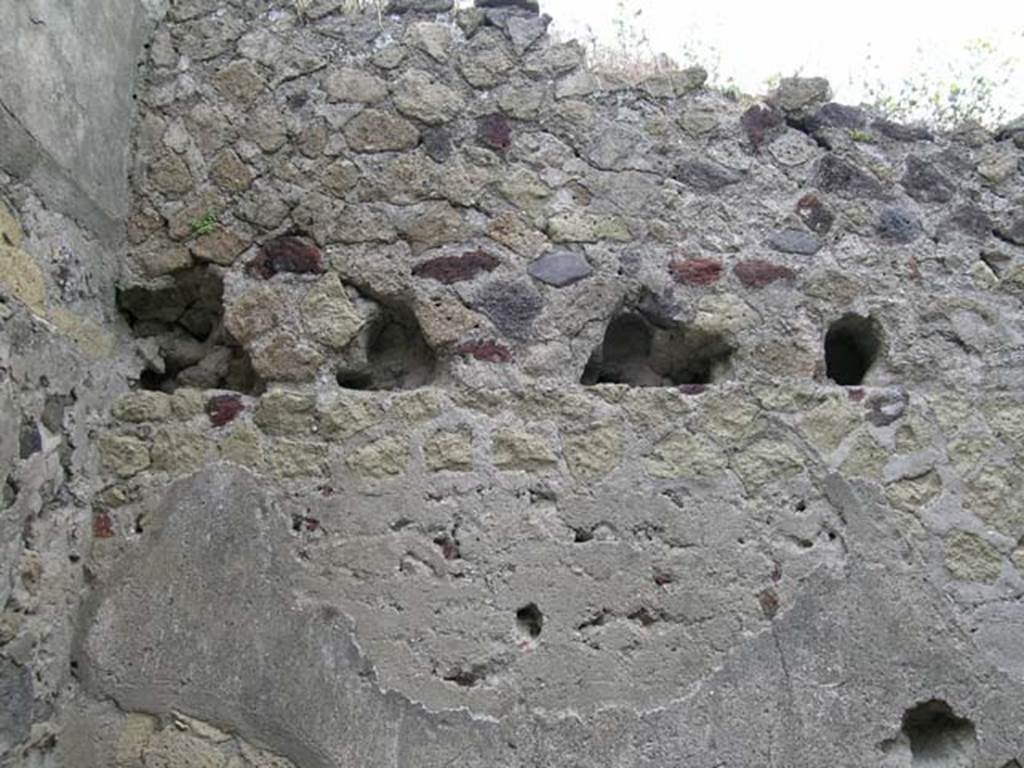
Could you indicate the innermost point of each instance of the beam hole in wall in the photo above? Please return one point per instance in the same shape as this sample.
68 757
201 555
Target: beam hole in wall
181 317
938 737
397 355
852 346
640 353
529 621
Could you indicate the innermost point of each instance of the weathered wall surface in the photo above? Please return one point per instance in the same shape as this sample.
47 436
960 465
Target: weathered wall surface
489 412
67 74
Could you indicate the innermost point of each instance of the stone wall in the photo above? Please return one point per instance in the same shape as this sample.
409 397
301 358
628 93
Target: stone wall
448 403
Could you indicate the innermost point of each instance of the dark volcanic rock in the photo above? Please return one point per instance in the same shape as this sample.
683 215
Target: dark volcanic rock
512 307
527 5
438 144
899 225
840 116
900 132
704 176
925 184
834 174
288 254
970 220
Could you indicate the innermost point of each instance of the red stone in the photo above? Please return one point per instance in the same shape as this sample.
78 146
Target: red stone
288 254
495 132
455 269
223 409
102 526
856 395
487 351
696 271
757 273
758 121
693 389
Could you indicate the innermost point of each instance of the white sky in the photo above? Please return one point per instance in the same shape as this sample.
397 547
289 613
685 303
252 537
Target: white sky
758 39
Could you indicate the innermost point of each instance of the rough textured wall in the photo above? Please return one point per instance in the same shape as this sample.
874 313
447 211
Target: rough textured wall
67 72
488 412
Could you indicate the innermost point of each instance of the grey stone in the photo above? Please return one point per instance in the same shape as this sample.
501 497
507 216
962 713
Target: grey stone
900 132
835 174
438 144
512 307
899 225
888 407
354 85
795 241
524 31
560 269
15 704
925 183
1011 129
706 176
487 61
795 94
418 95
422 6
840 116
377 131
970 220
527 5
1014 231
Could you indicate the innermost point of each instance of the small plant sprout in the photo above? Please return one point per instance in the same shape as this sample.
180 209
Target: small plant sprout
205 225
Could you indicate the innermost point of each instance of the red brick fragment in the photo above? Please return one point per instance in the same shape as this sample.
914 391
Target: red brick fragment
222 409
757 273
487 351
288 254
102 526
696 271
856 394
693 389
455 269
